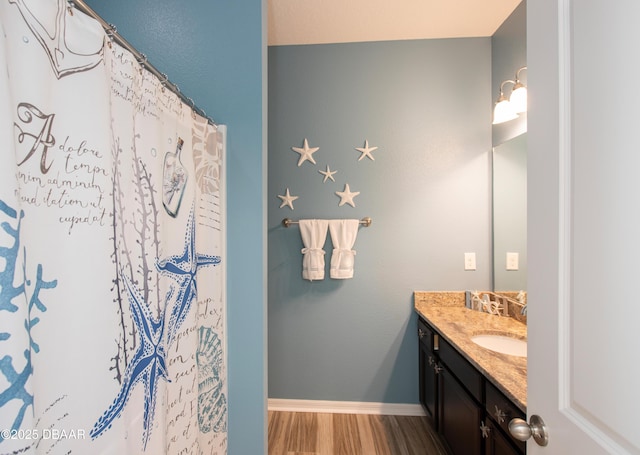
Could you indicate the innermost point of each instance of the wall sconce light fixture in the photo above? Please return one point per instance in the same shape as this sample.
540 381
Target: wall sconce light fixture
508 108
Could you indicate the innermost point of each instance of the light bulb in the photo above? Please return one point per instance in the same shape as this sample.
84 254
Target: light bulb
503 112
518 98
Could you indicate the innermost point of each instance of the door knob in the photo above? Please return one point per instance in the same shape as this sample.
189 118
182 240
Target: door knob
521 430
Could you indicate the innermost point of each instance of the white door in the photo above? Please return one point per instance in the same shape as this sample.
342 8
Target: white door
584 224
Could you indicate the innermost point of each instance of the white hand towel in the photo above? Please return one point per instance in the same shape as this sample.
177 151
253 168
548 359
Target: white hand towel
343 236
314 234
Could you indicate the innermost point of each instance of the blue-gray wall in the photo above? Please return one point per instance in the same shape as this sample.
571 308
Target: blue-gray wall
216 53
426 105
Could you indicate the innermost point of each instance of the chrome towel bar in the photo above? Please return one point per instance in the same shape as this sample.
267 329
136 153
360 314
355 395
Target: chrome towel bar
366 222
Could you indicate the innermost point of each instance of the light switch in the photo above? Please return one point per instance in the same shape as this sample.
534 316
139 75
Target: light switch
469 261
512 261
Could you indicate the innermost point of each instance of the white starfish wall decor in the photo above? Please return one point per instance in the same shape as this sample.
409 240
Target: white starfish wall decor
287 199
346 196
305 152
328 174
366 151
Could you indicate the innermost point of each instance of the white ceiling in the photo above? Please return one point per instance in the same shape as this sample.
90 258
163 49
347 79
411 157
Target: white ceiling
341 21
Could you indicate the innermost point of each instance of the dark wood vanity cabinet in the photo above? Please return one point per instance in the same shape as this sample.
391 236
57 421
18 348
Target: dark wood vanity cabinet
461 417
428 376
495 442
469 412
500 410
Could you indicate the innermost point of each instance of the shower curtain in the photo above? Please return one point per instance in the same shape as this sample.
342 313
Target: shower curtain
112 235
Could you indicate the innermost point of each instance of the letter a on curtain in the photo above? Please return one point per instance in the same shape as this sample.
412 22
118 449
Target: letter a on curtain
112 249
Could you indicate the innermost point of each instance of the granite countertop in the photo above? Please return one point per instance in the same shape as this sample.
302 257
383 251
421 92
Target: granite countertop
446 312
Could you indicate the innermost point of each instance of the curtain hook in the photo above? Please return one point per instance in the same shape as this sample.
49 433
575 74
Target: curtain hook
111 30
164 81
142 61
193 108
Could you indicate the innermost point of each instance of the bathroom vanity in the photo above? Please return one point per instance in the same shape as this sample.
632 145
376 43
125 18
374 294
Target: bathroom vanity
470 393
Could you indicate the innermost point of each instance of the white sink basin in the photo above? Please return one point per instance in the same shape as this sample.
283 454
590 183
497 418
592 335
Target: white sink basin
501 343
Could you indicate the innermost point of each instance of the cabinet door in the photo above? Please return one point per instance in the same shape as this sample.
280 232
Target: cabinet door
502 410
427 379
428 384
460 417
495 442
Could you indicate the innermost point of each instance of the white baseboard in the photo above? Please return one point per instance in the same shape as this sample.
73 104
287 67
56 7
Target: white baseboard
345 407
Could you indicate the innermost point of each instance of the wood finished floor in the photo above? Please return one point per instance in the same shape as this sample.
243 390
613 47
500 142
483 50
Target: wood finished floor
301 433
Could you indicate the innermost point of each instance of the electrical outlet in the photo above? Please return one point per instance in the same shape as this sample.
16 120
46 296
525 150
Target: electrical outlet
469 261
512 261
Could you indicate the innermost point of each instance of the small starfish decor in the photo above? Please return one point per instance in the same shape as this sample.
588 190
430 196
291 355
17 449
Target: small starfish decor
328 174
486 430
305 152
366 151
346 196
287 199
500 415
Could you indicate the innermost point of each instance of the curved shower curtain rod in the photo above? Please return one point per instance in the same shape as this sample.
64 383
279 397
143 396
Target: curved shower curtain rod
112 33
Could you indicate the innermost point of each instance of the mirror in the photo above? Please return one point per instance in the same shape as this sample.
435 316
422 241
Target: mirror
510 215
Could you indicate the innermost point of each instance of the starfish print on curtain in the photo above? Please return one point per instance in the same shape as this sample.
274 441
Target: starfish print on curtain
148 365
183 270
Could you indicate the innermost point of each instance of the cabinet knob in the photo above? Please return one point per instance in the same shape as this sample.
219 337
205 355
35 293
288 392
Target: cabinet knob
431 361
500 415
521 430
421 333
485 430
438 369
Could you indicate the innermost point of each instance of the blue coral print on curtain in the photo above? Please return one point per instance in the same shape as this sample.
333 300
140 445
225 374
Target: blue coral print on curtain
15 285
